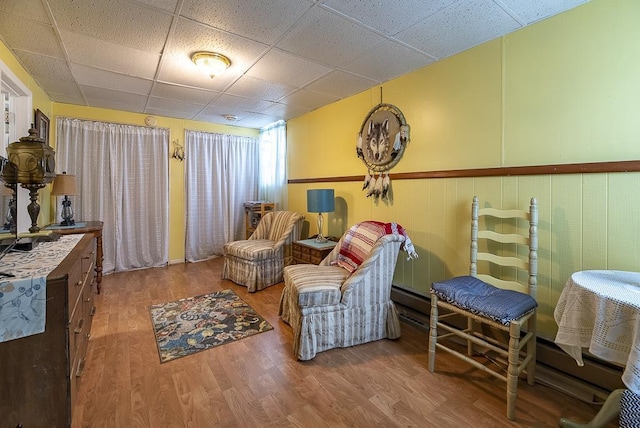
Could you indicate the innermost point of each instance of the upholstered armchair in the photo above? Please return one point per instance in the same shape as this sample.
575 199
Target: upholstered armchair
257 262
327 306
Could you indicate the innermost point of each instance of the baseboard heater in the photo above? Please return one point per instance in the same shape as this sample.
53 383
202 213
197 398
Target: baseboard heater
591 383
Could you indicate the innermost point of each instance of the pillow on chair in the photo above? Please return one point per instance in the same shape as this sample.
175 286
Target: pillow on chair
360 239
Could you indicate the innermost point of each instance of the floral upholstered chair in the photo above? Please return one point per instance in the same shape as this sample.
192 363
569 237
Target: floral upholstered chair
346 300
257 262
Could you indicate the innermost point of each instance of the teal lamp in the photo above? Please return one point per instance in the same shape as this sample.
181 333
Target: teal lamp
320 201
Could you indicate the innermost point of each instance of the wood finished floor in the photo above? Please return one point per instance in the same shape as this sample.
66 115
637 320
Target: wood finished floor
256 382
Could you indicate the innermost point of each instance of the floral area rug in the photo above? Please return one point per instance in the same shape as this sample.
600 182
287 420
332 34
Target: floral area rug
191 325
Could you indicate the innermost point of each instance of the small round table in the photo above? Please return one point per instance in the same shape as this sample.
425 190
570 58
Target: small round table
599 310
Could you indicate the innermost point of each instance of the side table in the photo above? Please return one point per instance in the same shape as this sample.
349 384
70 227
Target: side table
93 227
599 310
311 252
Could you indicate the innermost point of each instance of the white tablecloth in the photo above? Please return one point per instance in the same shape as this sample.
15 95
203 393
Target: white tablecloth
599 310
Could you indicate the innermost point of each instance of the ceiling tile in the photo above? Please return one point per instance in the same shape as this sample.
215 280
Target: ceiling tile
386 61
282 67
257 121
183 93
129 23
341 84
68 98
189 109
284 111
97 96
461 26
252 87
110 56
168 113
327 38
89 76
264 20
168 5
216 115
40 65
31 10
122 105
535 10
308 99
56 86
30 36
390 16
233 102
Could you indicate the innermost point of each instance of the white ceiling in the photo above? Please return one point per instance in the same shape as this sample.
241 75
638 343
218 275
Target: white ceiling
288 57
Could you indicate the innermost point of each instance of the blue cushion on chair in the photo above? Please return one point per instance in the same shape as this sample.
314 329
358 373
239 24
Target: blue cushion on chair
480 298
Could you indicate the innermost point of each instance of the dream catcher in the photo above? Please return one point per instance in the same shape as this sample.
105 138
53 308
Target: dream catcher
383 136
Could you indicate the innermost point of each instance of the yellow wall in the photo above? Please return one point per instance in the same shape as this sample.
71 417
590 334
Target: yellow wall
565 90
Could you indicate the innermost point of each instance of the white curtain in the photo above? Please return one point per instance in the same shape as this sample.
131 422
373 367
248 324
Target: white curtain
273 164
123 180
221 173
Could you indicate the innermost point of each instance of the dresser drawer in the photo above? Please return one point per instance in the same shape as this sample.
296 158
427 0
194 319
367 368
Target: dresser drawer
75 282
304 253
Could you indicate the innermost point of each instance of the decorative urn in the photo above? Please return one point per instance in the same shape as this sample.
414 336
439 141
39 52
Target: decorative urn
34 163
33 158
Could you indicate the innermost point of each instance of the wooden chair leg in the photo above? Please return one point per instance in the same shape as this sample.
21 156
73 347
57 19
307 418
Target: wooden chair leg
531 350
512 370
470 327
433 332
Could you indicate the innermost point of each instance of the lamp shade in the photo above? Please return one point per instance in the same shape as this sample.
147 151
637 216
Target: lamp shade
64 184
320 201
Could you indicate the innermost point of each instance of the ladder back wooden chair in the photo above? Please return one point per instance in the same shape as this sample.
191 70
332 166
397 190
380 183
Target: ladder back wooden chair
498 295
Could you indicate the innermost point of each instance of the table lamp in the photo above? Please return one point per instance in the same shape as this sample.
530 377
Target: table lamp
320 201
65 184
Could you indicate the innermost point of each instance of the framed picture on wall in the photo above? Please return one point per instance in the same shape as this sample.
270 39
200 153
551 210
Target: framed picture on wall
42 126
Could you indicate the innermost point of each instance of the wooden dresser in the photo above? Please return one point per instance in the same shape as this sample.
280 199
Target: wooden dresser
39 374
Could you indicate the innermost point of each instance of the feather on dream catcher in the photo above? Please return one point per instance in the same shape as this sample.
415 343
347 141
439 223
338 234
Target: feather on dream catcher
383 136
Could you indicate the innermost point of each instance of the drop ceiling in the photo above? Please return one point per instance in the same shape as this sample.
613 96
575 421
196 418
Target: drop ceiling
289 57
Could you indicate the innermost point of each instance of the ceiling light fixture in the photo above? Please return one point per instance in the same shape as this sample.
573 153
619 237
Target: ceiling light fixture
211 63
230 117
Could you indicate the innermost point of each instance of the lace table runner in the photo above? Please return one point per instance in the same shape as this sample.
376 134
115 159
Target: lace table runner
23 297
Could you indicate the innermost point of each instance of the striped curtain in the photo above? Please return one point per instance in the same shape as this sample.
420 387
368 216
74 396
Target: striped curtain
122 173
221 173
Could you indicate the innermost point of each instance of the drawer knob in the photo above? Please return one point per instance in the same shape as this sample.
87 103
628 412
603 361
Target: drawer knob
80 368
78 329
79 283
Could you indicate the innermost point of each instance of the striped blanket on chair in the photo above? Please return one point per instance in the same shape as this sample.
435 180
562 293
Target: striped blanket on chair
360 239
